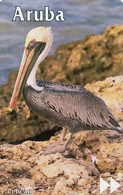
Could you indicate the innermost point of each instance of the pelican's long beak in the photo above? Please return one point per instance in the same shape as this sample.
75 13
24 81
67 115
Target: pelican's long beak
30 56
34 45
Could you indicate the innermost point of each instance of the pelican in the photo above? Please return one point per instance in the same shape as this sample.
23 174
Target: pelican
70 106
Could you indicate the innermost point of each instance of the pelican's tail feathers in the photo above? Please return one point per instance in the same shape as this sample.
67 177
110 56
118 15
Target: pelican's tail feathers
119 130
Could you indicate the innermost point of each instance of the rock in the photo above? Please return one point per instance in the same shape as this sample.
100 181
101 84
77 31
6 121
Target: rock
94 58
98 56
21 124
23 167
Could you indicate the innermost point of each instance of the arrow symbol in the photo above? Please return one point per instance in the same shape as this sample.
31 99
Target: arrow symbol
103 185
114 185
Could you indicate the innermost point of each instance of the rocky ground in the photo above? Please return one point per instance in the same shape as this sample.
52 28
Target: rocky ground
92 154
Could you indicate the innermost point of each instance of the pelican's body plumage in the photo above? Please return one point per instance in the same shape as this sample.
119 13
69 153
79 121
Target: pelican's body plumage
70 106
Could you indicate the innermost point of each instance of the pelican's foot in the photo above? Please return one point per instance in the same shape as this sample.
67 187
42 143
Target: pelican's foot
57 147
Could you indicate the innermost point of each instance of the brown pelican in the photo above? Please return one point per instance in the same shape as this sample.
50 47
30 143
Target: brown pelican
70 106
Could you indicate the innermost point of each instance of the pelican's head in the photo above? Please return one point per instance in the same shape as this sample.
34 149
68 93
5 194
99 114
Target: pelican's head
40 34
37 45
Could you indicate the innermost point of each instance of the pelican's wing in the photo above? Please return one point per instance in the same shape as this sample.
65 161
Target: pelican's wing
83 106
60 86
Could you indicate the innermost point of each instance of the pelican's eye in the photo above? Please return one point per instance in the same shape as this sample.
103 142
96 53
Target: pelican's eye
32 44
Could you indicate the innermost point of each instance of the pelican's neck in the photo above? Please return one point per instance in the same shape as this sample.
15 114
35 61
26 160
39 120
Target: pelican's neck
31 81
